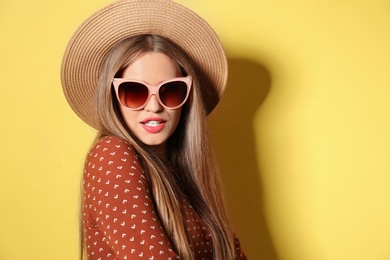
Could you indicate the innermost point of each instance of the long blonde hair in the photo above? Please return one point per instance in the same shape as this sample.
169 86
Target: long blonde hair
191 163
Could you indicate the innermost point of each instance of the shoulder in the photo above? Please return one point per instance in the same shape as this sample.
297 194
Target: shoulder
111 152
112 144
113 160
111 147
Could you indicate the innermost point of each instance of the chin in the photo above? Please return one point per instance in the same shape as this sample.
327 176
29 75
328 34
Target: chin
156 145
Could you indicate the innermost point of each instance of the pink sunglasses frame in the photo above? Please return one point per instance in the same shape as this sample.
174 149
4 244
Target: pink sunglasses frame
152 90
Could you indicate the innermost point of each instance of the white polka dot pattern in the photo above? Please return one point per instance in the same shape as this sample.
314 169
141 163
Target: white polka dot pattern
119 215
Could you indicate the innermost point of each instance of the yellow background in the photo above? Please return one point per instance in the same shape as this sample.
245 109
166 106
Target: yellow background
302 133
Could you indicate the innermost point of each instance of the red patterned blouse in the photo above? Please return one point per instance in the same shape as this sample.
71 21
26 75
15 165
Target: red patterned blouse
119 215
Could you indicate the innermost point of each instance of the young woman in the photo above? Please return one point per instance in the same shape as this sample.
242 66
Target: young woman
146 74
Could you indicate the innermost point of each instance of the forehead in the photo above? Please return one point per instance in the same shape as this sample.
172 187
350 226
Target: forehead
152 67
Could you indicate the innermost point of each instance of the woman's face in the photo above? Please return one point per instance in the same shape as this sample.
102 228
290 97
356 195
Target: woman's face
153 124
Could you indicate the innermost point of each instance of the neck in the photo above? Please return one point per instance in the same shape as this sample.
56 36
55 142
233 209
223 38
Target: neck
160 151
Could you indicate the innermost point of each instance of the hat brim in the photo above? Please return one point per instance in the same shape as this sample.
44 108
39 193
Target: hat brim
89 45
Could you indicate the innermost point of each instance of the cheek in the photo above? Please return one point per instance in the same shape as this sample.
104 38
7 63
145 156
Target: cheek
176 116
128 116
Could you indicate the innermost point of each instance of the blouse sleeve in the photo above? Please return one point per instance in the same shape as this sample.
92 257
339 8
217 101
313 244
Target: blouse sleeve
119 215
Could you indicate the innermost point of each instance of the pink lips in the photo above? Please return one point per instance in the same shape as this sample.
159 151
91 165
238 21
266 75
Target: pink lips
153 124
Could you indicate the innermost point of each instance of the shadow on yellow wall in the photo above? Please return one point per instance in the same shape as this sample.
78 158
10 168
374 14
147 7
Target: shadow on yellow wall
231 125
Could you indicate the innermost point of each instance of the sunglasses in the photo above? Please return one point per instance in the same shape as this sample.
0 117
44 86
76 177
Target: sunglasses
134 94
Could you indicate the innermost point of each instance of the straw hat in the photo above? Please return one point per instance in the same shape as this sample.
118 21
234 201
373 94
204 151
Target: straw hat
126 18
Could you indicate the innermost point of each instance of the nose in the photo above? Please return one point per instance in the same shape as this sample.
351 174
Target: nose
153 105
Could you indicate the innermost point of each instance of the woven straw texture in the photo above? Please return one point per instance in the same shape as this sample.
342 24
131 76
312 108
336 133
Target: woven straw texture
125 18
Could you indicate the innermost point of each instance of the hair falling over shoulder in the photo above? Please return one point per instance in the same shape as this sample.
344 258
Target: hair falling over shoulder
191 160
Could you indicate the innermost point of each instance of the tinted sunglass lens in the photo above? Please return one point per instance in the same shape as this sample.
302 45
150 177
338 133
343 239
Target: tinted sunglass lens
132 94
172 94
